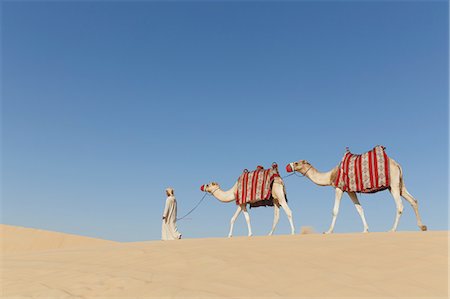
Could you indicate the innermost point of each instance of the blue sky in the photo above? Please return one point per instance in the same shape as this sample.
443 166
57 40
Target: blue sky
105 104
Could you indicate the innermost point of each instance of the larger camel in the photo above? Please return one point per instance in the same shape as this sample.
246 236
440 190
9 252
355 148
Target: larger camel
396 187
278 195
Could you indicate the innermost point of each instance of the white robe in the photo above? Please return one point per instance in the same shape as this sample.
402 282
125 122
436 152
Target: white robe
169 224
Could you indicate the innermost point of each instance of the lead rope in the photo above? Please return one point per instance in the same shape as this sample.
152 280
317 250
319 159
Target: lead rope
195 207
288 175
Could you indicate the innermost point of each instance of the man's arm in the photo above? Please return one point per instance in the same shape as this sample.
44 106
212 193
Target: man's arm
166 209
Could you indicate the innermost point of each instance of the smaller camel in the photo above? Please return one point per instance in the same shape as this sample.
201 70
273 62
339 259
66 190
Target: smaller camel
396 187
278 195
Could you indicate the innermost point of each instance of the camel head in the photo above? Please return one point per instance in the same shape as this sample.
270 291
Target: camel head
211 187
301 166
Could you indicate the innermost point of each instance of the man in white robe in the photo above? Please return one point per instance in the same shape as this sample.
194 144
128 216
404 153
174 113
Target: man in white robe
169 219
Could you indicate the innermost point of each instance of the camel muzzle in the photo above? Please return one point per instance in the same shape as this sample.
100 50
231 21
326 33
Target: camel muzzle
289 167
202 187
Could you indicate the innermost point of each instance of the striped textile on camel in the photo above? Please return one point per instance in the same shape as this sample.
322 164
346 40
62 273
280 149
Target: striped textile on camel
255 187
366 173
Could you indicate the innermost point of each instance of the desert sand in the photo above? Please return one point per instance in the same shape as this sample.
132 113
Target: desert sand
42 264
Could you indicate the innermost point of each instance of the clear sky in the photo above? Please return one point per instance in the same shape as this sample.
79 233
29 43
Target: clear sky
105 104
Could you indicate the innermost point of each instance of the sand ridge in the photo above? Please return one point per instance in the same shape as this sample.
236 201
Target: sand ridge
376 265
22 239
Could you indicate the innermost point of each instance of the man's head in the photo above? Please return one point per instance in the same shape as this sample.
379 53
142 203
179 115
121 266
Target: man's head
170 191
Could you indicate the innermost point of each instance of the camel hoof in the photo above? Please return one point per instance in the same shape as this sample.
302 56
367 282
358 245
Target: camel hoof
424 228
327 233
391 231
366 232
230 236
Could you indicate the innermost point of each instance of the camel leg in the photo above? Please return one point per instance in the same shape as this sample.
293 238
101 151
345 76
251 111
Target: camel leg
337 202
288 212
278 193
360 210
233 219
276 216
405 194
395 191
247 219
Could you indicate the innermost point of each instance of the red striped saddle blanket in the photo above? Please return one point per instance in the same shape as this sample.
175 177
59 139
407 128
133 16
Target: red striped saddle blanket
255 187
366 173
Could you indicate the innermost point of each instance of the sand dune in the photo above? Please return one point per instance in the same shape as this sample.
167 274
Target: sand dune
383 265
20 239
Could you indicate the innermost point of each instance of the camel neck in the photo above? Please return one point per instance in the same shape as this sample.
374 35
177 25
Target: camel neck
320 178
225 196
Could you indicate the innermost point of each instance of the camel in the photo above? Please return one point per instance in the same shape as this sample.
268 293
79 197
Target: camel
278 195
396 187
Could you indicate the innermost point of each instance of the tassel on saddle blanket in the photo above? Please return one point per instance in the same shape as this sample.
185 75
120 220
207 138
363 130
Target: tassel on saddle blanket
255 187
366 173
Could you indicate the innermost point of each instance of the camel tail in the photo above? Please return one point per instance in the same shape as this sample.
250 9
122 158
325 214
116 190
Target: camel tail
285 194
402 184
